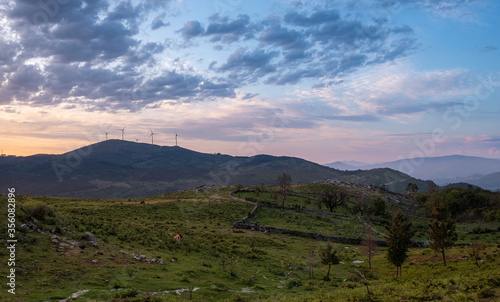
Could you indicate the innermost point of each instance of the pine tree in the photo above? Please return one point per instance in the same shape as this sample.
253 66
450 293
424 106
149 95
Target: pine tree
329 256
399 239
441 229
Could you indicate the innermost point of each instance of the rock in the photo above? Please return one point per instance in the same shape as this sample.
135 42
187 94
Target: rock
358 261
53 237
142 257
173 260
93 243
55 241
63 244
89 236
94 261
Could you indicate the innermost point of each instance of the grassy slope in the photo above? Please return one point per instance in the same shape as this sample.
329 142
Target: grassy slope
274 267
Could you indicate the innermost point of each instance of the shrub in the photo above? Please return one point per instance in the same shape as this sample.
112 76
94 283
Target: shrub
38 211
294 282
129 293
486 293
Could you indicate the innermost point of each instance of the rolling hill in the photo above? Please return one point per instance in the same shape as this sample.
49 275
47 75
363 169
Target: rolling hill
116 168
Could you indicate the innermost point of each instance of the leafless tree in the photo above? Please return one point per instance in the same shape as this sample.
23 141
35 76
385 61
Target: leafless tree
284 180
369 244
334 197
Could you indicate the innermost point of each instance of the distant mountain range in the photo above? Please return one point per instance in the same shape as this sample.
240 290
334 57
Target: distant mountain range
478 171
117 168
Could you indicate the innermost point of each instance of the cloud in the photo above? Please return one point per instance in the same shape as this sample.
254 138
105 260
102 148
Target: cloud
10 110
321 44
158 22
252 65
487 48
88 54
316 18
228 31
191 29
457 9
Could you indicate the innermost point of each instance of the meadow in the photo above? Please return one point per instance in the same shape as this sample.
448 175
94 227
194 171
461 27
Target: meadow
136 258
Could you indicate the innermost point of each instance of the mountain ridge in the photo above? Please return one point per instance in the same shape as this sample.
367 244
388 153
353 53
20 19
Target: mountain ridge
116 168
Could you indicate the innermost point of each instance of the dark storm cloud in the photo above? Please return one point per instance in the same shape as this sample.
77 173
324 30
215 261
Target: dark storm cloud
92 57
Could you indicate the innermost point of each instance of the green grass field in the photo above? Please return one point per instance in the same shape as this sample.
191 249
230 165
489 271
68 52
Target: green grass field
217 262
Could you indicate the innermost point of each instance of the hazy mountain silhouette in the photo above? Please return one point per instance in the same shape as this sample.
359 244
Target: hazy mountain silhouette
442 170
116 168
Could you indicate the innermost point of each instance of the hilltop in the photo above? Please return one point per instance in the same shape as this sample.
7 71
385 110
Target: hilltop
117 168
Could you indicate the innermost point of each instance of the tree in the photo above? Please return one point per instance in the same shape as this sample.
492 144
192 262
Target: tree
369 244
476 248
312 262
411 188
329 256
333 198
399 239
441 229
284 180
378 207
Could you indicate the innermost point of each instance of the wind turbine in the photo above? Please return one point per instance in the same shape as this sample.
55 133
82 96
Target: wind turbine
176 138
123 132
106 134
152 136
137 140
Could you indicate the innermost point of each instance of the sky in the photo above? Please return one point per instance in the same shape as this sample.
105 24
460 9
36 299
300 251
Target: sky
368 81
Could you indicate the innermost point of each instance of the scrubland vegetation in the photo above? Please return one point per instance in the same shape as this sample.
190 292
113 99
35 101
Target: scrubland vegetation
134 256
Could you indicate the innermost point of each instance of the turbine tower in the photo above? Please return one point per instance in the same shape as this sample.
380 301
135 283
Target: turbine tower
123 133
152 136
176 138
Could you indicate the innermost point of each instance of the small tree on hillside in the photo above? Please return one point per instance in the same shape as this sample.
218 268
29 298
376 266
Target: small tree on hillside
378 207
284 180
312 262
441 229
369 244
411 188
399 239
329 256
476 248
334 197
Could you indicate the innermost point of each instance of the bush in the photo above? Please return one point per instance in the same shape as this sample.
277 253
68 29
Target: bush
129 293
293 283
486 293
38 211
